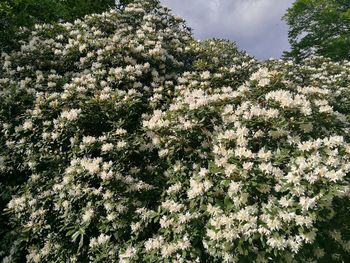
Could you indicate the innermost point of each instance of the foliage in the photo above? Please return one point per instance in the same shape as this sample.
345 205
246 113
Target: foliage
123 139
16 14
319 27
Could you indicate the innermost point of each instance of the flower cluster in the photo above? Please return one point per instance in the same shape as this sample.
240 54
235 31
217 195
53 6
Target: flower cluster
123 139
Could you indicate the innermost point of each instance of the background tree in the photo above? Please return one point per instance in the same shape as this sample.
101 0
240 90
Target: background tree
319 27
16 14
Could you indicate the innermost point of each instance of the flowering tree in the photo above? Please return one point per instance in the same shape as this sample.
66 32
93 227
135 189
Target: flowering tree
125 140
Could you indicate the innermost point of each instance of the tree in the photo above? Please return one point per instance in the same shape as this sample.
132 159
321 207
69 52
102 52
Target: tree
320 27
18 14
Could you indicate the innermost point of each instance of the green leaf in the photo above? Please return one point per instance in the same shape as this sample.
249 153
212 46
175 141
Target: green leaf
228 202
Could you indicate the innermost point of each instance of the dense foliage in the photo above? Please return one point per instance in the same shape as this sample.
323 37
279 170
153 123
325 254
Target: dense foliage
125 140
320 27
17 14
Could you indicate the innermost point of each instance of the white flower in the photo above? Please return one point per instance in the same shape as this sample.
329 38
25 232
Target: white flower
89 140
27 125
294 245
71 115
277 242
307 203
247 166
120 131
93 242
91 165
88 214
172 206
163 152
33 256
260 74
17 203
196 189
107 147
121 144
230 169
168 249
111 217
102 239
234 188
166 222
205 75
285 202
303 221
135 227
242 152
154 243
326 108
129 253
203 172
174 188
265 155
264 82
82 47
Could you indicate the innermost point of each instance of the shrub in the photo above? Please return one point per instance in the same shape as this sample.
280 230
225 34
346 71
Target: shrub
259 170
74 132
125 140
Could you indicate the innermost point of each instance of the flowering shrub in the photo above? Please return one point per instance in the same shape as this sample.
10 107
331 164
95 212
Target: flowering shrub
256 168
125 140
75 136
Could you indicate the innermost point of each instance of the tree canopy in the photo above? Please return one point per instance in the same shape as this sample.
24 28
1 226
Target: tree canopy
320 27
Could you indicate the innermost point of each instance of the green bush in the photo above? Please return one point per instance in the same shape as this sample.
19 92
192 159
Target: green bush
125 140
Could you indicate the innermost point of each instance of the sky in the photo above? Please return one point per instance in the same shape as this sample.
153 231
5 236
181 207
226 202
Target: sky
255 25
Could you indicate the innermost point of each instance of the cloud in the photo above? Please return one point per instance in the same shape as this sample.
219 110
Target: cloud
255 25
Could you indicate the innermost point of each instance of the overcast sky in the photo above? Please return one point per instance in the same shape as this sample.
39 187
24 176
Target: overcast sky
255 25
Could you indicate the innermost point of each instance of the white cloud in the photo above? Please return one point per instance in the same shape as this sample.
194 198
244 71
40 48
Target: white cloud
255 25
